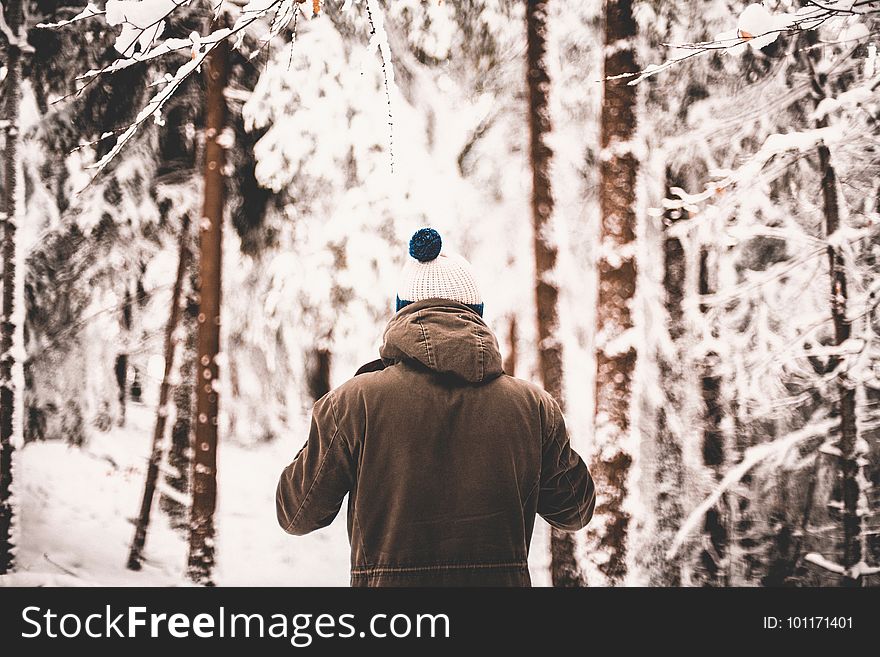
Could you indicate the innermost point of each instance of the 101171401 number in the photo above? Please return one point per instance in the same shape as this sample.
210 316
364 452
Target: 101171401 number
809 622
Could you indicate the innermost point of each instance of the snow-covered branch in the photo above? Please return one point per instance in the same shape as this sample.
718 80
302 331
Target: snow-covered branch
775 450
142 25
861 569
757 27
773 146
90 11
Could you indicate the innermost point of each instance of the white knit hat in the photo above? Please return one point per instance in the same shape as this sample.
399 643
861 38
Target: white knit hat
431 274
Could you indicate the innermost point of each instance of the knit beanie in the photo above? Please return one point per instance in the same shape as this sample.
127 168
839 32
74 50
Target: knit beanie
430 274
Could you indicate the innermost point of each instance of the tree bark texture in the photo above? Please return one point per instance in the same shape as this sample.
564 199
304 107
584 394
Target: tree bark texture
204 471
617 287
563 566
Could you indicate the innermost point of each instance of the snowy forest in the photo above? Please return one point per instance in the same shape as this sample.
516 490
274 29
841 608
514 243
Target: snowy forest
671 206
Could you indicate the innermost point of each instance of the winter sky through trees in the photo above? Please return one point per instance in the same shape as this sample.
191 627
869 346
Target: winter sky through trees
673 208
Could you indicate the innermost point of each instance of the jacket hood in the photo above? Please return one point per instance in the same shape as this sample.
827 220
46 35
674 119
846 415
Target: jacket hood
445 336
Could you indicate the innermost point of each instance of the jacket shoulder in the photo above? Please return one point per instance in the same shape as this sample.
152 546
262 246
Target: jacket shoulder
529 388
543 401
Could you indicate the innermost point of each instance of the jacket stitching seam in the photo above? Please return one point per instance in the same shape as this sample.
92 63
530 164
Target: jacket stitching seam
482 364
574 497
534 487
428 354
360 533
353 506
318 473
567 478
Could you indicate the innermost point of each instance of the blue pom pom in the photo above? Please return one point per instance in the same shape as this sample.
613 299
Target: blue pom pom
425 245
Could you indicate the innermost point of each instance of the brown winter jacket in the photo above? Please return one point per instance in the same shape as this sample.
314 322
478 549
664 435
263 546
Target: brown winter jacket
446 460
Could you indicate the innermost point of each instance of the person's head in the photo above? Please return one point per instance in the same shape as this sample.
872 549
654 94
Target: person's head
430 274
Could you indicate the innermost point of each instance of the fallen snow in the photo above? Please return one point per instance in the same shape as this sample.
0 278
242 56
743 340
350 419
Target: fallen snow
75 509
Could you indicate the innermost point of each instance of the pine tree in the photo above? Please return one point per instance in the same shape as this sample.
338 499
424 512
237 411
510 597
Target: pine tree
204 471
713 557
97 243
563 565
179 456
848 448
668 471
615 353
135 555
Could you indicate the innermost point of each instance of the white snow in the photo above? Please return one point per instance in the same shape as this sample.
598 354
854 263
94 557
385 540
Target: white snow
94 493
90 11
822 562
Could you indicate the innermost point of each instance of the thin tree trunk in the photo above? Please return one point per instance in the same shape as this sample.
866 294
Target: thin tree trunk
617 286
136 552
318 372
120 368
512 339
563 566
204 471
121 365
850 490
713 558
668 468
13 11
180 450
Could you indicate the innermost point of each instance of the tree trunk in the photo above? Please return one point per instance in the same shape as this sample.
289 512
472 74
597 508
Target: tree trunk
120 369
512 339
13 11
615 355
204 471
136 552
180 451
563 565
121 365
713 557
849 490
668 467
318 372
847 442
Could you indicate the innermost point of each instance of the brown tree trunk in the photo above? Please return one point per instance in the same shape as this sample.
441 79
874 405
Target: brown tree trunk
563 565
204 471
13 15
136 552
318 372
617 286
512 339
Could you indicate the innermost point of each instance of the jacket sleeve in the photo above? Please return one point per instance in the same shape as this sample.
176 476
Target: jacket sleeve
567 494
311 489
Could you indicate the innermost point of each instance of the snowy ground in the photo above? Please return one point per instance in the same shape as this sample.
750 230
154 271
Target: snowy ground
75 507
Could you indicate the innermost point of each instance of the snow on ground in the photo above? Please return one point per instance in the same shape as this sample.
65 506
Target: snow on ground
75 509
